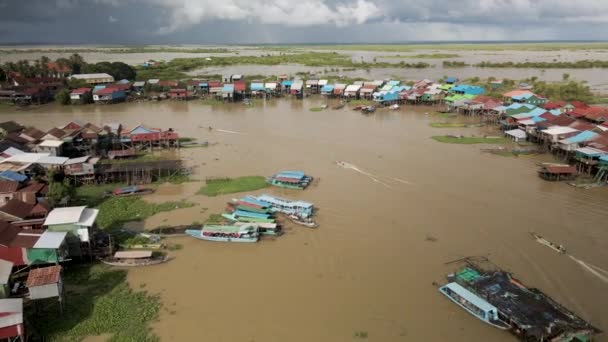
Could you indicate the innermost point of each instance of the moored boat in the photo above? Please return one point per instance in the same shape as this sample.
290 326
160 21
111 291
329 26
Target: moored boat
306 222
135 258
226 233
300 208
368 110
265 228
130 191
474 305
290 180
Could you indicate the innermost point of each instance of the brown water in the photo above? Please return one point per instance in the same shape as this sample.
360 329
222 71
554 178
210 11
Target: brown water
369 267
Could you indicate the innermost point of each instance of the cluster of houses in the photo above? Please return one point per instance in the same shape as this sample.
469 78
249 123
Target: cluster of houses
77 149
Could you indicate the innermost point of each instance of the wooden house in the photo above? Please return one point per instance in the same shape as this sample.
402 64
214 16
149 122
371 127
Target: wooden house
109 95
52 147
77 222
296 88
32 135
45 282
312 86
100 78
178 94
339 89
352 91
81 96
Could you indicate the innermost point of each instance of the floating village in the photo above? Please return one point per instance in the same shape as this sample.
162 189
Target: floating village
39 235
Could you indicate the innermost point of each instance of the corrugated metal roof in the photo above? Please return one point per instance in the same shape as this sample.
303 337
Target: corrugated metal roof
517 133
7 186
270 85
590 151
557 130
65 215
11 312
26 157
91 76
52 240
51 143
471 297
353 88
43 276
52 160
579 138
561 169
14 176
322 82
77 160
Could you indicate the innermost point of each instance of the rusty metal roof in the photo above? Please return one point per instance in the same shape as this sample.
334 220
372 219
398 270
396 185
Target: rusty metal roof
43 276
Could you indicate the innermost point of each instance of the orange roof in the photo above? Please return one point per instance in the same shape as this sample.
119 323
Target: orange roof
43 276
516 93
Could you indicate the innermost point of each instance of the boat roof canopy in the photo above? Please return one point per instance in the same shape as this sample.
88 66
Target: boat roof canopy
230 229
470 297
133 254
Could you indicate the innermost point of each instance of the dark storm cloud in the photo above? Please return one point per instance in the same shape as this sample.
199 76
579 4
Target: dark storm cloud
280 21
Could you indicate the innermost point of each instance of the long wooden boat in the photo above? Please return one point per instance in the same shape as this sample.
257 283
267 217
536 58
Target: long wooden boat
307 222
135 259
234 217
219 233
474 305
130 191
558 248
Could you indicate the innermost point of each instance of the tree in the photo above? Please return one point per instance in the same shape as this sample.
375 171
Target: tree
76 63
63 97
2 75
60 189
565 77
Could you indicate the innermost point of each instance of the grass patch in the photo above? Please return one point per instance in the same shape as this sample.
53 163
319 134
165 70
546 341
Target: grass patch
360 102
465 47
469 140
115 211
214 219
185 139
447 125
232 185
316 109
99 302
360 334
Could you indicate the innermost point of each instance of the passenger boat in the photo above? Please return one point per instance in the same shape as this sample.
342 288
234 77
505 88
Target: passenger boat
130 191
308 222
290 180
473 304
226 233
300 208
135 258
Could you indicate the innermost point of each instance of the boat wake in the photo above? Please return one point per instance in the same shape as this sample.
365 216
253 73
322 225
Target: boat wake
599 272
371 176
227 131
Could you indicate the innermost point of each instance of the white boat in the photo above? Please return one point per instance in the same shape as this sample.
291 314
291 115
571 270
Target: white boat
394 107
303 222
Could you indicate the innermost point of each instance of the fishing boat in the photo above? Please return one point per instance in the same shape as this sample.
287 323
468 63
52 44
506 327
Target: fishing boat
226 233
368 110
558 248
135 258
306 222
130 191
474 305
290 180
497 298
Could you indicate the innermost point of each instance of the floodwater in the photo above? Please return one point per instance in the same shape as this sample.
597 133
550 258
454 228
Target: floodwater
370 266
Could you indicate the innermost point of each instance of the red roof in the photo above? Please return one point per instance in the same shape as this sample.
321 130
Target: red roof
561 169
8 186
239 86
578 104
119 86
554 105
177 90
34 187
56 67
577 112
168 83
484 99
582 125
81 91
106 91
215 84
43 276
605 124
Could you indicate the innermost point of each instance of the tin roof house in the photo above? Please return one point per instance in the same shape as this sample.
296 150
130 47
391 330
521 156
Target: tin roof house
76 221
11 319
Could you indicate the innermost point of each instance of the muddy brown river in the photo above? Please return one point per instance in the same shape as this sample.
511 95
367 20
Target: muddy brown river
370 266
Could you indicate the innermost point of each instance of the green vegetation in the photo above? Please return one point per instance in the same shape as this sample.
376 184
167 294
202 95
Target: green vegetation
61 190
360 102
115 211
99 302
584 64
216 187
455 64
214 219
360 334
564 91
316 109
146 157
176 68
449 139
118 70
63 97
446 125
185 139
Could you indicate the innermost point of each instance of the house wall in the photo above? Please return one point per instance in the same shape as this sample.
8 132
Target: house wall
44 291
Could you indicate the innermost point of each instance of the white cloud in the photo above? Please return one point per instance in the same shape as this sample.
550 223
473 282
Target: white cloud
112 19
186 13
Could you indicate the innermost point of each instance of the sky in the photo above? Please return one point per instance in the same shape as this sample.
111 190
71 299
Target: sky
297 21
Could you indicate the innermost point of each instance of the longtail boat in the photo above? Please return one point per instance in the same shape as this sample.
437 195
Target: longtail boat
130 191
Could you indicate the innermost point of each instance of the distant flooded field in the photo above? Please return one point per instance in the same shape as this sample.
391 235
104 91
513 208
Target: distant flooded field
371 265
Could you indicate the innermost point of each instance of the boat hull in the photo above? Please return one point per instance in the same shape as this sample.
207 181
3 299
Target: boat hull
197 234
498 326
118 263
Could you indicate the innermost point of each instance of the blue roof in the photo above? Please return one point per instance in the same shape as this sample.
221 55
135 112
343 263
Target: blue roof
327 88
257 86
451 79
393 83
522 96
250 214
203 84
290 174
228 88
581 137
538 119
470 297
13 176
555 112
287 83
604 158
253 200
